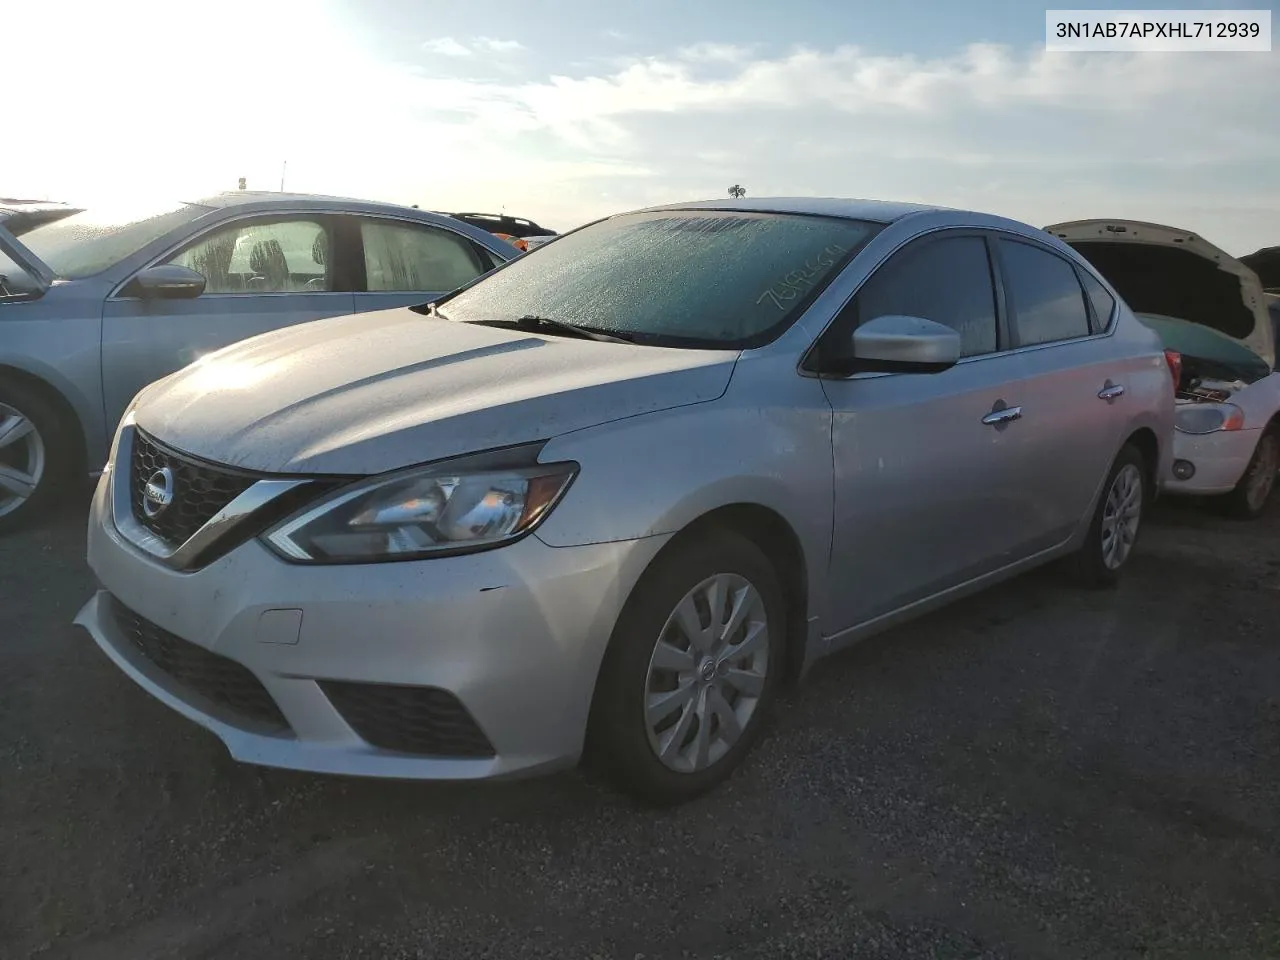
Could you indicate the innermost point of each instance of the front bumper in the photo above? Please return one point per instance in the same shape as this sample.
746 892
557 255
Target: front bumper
516 635
1220 460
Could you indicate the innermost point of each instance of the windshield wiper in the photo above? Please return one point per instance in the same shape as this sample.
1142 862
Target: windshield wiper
532 322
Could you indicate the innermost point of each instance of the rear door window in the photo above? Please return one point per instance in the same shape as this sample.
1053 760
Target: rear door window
1045 298
1103 302
409 257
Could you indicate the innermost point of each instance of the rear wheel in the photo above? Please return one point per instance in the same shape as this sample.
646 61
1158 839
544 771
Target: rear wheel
33 456
1249 499
691 671
1113 533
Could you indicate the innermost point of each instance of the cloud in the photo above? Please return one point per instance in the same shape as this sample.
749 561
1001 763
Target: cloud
446 47
715 53
451 47
1034 135
1187 139
498 46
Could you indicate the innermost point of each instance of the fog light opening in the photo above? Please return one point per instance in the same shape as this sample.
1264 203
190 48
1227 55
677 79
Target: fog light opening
1184 469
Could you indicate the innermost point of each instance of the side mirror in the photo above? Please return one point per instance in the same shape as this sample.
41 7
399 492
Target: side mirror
168 281
897 344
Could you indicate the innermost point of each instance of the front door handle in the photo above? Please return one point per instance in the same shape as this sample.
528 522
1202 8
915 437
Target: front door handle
1110 391
1002 416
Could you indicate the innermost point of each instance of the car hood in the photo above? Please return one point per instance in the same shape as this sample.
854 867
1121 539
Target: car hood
376 391
1172 272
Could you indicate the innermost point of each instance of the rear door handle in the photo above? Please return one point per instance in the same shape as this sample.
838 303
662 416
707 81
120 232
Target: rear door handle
1110 391
1002 416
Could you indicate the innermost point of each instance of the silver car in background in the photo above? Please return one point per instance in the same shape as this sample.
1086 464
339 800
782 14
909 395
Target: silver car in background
98 303
607 499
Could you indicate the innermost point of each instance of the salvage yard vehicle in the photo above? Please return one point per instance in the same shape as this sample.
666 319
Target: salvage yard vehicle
1210 310
605 500
96 304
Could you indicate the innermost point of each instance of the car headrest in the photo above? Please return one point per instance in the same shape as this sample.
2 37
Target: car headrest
267 256
320 248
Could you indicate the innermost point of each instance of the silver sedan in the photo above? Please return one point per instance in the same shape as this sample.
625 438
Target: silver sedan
97 303
607 500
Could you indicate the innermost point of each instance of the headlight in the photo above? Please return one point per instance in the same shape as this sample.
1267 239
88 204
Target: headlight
452 507
1208 417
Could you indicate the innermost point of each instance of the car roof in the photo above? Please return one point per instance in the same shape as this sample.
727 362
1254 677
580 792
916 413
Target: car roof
316 201
878 211
267 201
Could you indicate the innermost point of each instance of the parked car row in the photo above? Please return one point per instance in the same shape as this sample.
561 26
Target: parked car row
603 499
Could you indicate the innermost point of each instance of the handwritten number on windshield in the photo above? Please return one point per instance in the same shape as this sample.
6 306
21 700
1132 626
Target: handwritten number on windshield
801 280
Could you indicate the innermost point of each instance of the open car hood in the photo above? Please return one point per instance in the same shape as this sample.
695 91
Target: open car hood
1175 273
25 259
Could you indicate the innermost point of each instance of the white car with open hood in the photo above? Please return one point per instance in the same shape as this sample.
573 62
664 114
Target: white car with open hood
1211 313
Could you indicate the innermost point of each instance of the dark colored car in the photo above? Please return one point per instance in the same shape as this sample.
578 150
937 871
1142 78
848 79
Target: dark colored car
1266 264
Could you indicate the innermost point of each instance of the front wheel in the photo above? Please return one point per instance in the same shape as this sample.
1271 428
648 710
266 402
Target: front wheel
691 670
1249 499
1113 533
32 456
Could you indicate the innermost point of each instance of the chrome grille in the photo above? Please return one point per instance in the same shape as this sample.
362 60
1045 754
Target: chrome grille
200 489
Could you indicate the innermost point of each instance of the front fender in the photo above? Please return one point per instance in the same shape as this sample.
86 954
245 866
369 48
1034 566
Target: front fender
766 442
57 340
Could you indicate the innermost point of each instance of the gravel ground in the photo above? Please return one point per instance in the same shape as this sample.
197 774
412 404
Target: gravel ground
1035 772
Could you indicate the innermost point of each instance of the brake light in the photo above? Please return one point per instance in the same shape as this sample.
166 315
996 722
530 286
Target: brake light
1174 359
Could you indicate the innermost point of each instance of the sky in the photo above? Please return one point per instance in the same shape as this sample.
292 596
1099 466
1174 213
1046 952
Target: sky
567 110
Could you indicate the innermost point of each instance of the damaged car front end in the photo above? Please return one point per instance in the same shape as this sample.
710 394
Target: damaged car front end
1211 313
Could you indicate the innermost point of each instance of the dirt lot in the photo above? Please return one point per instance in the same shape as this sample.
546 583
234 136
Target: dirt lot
1037 772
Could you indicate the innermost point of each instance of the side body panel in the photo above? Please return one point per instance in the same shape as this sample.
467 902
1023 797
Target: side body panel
766 442
57 339
926 494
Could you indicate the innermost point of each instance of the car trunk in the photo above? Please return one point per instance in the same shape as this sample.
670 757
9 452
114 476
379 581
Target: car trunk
1204 303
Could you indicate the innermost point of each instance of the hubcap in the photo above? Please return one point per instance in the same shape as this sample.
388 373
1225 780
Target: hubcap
22 459
1263 476
707 673
1121 515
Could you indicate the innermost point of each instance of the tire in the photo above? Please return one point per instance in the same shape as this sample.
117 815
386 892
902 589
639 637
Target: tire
32 448
706 705
1102 557
1249 499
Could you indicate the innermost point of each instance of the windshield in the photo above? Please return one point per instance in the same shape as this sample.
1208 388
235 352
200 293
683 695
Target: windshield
93 240
699 278
1204 343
